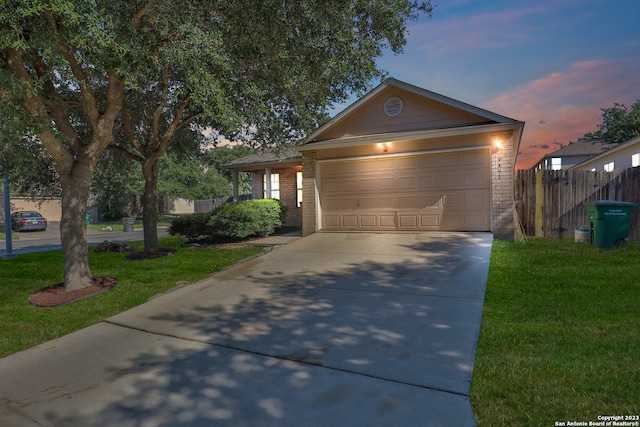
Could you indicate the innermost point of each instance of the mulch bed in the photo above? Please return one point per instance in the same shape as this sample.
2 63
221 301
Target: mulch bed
150 255
55 295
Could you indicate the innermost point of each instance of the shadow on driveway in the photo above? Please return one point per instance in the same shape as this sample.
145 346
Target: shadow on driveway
333 329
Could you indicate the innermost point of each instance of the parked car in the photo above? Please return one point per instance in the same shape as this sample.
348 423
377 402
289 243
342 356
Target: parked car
28 220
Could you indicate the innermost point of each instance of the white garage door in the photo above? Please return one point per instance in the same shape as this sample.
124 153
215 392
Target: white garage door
444 191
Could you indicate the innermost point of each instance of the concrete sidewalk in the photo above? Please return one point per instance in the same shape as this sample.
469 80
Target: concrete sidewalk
331 329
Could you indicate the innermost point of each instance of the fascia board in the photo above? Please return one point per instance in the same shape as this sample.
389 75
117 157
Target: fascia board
358 141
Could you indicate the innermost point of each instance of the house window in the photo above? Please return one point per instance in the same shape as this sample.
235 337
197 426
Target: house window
608 167
556 163
298 189
635 160
275 186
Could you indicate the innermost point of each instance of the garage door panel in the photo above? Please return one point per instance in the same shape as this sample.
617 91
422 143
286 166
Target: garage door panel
446 191
368 220
387 220
384 201
408 220
406 183
479 158
420 201
430 181
429 221
427 162
332 221
340 203
350 220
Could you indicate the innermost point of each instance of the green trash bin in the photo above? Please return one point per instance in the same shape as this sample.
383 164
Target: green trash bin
609 223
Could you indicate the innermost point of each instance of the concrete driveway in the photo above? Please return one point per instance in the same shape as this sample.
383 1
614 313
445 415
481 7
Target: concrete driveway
332 329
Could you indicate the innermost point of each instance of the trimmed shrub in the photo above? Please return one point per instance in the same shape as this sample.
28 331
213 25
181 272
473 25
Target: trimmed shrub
238 220
192 226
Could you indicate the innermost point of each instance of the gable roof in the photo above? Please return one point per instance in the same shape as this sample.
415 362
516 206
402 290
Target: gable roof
583 147
482 116
611 153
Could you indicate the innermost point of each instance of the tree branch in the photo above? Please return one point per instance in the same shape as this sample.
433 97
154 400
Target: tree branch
126 153
143 11
127 127
157 115
36 107
55 107
88 97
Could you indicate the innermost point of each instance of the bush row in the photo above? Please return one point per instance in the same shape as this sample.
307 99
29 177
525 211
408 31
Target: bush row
234 220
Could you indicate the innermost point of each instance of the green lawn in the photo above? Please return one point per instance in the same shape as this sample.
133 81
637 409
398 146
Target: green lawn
23 325
559 340
560 336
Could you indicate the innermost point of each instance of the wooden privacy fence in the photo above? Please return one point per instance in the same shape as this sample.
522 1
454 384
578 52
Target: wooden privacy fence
551 203
203 206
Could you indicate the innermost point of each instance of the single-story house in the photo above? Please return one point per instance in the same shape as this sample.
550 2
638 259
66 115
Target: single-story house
618 158
401 158
572 154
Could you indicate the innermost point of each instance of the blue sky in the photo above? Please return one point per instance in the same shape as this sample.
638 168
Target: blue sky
550 63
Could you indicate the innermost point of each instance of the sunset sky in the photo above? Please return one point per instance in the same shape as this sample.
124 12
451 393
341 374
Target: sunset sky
550 63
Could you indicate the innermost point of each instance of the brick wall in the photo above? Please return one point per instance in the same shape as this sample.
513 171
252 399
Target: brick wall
502 191
288 190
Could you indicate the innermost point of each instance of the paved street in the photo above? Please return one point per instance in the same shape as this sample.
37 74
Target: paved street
35 241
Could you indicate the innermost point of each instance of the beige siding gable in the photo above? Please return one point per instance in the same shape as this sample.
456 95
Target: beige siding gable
418 113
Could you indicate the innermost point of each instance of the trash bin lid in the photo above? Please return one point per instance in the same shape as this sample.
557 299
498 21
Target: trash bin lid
614 203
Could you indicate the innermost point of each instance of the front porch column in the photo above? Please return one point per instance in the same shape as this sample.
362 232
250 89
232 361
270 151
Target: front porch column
267 179
235 185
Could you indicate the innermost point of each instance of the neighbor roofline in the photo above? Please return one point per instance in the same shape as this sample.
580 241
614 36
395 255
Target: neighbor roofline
619 147
290 161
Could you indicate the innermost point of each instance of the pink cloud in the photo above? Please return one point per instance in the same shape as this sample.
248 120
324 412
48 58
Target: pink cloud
564 105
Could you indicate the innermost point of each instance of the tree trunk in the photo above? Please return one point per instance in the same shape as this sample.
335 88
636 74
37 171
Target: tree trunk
150 205
73 231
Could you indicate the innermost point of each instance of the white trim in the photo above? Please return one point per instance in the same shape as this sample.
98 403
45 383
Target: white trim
318 204
357 141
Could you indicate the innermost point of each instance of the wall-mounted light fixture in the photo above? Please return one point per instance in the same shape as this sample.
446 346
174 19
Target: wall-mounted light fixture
496 145
384 146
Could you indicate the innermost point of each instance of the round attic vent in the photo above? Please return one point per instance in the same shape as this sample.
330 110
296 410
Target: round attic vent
393 106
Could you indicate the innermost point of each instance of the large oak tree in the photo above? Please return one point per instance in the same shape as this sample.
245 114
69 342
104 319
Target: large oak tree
264 71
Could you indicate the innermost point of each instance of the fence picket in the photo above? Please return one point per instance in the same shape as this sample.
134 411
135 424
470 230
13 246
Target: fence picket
565 193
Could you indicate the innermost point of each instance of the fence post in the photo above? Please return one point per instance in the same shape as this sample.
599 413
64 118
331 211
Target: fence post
539 213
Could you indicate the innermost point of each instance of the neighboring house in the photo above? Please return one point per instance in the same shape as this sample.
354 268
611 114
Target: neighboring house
572 154
401 158
51 209
619 157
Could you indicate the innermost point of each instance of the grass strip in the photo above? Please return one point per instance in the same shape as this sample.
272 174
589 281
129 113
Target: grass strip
559 338
23 325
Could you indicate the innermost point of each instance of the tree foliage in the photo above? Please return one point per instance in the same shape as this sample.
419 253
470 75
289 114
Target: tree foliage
116 185
189 178
618 123
216 157
261 71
